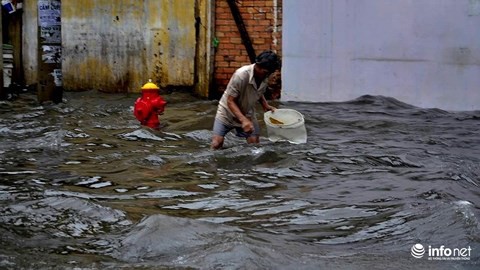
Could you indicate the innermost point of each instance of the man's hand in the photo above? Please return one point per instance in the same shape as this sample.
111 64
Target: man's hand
266 107
269 108
247 126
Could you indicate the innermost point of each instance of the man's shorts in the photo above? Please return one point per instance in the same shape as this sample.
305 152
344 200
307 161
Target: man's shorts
221 129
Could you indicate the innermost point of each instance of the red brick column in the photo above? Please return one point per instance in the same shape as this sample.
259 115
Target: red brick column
263 21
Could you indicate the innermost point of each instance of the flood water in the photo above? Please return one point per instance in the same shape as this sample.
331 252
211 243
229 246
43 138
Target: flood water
84 186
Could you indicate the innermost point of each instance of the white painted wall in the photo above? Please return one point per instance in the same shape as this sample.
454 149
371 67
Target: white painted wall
422 52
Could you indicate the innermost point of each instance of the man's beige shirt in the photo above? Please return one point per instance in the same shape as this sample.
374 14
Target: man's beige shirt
243 87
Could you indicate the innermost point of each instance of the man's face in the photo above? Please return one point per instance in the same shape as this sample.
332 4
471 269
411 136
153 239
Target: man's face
261 72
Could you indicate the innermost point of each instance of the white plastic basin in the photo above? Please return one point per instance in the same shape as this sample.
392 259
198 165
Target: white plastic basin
285 125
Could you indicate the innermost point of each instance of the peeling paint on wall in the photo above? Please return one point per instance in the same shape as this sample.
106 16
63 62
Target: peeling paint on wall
51 34
51 54
50 51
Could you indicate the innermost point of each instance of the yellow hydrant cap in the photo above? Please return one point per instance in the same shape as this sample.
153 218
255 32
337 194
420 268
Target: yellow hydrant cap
149 85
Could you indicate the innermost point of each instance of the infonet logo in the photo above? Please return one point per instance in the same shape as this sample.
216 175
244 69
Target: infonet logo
441 253
417 251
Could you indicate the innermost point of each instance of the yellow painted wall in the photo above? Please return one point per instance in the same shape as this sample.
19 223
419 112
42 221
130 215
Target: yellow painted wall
116 46
30 42
204 54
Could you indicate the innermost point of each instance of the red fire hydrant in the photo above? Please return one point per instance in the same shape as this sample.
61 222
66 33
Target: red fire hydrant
149 106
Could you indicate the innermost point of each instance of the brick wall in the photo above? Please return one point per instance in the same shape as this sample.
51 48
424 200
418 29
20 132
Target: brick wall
263 22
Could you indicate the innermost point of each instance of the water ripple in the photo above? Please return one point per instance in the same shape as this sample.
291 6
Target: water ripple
83 181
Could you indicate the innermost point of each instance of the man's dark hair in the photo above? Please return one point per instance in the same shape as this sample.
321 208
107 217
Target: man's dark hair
268 60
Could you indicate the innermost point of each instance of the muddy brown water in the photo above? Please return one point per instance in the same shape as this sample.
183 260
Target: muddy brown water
84 186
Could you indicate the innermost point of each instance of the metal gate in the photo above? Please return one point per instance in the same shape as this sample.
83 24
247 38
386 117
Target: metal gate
116 46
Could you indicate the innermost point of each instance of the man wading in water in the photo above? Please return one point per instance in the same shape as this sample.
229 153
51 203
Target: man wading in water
236 109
